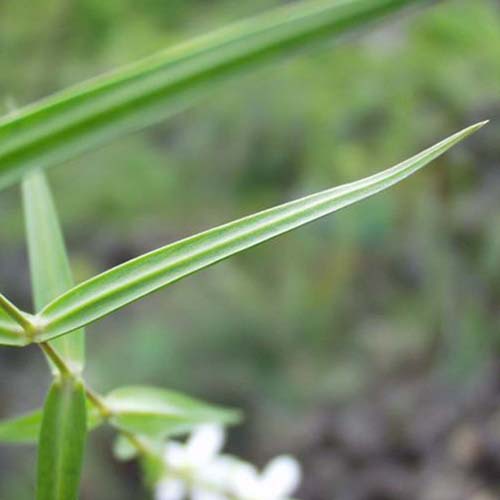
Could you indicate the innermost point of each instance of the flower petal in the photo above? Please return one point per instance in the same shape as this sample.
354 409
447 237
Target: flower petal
175 455
281 477
200 494
219 472
205 443
170 489
245 481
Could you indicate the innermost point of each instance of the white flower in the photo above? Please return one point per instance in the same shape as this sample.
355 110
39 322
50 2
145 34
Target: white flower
219 473
196 470
201 448
201 494
279 479
190 459
170 489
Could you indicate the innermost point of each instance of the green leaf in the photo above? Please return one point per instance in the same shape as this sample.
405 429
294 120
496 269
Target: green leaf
25 429
79 118
50 271
11 333
132 280
16 326
153 470
21 429
154 412
62 441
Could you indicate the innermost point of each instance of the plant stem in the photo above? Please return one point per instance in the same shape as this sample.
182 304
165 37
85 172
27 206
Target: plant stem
136 441
54 356
96 399
143 448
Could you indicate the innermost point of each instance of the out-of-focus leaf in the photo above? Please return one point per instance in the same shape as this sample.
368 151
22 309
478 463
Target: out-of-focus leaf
50 271
123 449
21 429
153 469
132 280
25 429
82 117
62 441
152 464
154 412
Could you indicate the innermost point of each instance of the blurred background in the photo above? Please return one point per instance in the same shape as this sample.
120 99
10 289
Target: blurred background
367 343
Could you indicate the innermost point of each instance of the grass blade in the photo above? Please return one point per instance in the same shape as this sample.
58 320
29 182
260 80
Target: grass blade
50 271
80 118
62 441
132 280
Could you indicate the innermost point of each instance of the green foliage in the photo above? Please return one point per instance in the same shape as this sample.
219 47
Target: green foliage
25 429
50 271
62 441
81 118
130 281
10 331
160 413
21 429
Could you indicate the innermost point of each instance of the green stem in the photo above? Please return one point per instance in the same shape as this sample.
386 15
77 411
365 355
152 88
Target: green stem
58 361
142 447
137 443
96 399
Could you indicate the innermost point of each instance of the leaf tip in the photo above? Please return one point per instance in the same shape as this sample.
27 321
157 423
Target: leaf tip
477 126
471 129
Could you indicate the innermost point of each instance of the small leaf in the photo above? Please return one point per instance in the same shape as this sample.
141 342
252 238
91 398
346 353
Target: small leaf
80 118
62 441
21 429
50 271
158 413
138 277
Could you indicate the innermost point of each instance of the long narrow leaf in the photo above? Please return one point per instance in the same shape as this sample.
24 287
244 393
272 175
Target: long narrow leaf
62 441
50 271
121 285
82 117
